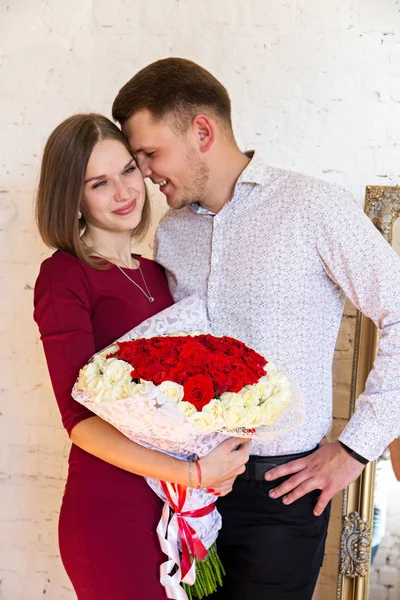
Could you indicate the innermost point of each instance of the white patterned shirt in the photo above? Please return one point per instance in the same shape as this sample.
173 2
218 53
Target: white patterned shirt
274 267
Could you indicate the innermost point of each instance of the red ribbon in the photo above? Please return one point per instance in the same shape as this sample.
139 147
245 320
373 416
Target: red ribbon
191 543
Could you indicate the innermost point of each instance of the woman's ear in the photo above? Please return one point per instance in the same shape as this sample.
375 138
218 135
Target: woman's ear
204 130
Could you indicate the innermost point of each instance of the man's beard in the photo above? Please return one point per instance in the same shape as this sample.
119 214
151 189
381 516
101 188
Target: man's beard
195 191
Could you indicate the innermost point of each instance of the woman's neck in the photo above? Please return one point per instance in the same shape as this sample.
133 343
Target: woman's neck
115 247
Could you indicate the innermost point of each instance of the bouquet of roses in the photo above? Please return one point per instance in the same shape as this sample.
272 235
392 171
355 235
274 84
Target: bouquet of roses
183 393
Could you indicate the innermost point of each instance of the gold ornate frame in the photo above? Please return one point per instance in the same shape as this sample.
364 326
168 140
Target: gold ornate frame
382 205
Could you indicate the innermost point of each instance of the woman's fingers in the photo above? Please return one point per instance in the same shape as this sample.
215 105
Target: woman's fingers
225 462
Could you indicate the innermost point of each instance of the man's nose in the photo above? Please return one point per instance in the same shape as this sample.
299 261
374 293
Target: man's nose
144 167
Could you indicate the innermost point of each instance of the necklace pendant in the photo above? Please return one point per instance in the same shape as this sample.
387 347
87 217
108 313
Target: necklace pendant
151 299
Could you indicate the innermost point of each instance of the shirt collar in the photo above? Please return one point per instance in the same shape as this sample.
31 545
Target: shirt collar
256 172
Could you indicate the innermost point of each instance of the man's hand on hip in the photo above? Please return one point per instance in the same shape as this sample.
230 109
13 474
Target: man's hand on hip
329 469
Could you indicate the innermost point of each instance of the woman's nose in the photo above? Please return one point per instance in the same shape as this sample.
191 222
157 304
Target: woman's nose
122 192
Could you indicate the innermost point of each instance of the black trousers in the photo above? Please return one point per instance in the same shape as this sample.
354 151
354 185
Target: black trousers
270 551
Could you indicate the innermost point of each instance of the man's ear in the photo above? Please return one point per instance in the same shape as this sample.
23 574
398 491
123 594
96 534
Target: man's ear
204 130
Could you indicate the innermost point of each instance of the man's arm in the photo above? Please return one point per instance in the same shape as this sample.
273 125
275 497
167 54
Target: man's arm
359 261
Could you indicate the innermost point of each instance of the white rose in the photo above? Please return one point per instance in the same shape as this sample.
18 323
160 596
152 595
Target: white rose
121 391
102 393
98 363
96 385
117 371
280 383
272 409
253 416
187 408
82 380
234 417
94 368
89 373
136 388
264 387
172 390
250 396
215 409
282 398
203 420
271 368
231 399
111 350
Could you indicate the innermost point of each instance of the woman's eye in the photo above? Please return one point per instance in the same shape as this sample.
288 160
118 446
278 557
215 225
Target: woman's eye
98 184
150 154
129 170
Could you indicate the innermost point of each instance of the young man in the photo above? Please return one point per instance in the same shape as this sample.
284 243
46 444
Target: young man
273 253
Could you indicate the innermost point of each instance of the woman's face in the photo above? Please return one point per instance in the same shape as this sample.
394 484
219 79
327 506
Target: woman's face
113 192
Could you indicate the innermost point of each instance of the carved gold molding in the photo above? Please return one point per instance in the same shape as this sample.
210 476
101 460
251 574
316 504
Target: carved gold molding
382 206
354 546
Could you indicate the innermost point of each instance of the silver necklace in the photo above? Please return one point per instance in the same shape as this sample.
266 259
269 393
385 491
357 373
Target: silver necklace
148 295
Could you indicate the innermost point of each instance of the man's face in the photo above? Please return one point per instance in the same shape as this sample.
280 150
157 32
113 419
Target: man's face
170 160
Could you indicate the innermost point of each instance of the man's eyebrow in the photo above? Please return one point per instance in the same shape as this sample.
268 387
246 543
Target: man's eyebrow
104 176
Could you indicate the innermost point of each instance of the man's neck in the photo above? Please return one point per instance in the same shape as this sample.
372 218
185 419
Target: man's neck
224 178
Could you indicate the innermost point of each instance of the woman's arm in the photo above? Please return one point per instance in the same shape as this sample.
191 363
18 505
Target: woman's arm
395 457
63 313
219 468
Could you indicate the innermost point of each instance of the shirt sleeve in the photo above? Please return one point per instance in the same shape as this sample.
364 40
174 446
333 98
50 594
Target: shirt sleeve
63 314
359 260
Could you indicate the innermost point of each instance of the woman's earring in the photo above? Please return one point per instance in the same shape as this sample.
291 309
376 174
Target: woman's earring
79 215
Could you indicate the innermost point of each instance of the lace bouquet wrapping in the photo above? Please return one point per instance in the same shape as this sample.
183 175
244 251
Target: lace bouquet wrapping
170 386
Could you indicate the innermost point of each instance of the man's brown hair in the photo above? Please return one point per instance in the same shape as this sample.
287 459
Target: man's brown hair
174 88
62 177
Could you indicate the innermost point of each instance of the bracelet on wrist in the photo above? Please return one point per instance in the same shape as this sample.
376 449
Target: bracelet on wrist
353 454
199 474
190 487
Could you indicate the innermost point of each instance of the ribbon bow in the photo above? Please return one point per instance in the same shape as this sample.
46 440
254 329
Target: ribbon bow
170 531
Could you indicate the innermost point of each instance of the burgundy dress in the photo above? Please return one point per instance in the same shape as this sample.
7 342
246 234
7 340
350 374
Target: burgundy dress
108 519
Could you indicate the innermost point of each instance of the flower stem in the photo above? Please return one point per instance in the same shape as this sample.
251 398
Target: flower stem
209 574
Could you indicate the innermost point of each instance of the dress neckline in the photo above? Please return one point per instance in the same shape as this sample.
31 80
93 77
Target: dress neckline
137 257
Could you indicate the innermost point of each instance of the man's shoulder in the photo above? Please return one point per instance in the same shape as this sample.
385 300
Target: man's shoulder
176 217
303 181
308 190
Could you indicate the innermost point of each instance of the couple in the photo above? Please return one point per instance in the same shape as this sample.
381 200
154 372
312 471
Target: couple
273 253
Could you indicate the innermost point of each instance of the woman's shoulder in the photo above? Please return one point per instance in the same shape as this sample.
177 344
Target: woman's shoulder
62 266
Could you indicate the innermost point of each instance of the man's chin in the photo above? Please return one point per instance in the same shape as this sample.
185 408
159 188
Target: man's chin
176 203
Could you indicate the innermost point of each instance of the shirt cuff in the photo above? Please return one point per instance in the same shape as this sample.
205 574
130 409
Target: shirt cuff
364 436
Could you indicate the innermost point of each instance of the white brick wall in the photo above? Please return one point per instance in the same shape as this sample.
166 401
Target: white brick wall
315 87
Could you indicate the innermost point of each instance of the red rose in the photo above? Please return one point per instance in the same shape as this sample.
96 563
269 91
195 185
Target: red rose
193 351
199 391
234 383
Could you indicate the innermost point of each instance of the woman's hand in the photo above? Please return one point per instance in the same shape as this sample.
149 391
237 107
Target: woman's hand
223 464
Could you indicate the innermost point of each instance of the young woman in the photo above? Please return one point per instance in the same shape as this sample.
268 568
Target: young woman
91 201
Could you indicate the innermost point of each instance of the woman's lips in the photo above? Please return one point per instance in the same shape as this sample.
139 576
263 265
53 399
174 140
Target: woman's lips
127 209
